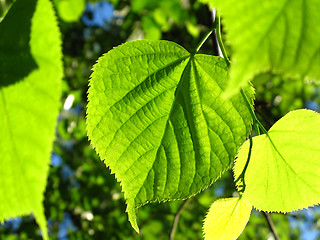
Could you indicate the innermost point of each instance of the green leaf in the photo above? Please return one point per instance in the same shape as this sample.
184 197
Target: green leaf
226 219
70 10
157 117
283 173
281 36
31 72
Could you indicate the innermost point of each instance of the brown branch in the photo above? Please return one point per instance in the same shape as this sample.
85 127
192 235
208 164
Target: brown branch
177 217
271 225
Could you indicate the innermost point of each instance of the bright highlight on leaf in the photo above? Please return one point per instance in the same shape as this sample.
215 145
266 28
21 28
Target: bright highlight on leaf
283 175
31 72
281 36
226 219
156 116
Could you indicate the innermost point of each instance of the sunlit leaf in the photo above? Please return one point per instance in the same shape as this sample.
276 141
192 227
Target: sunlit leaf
70 10
157 118
31 73
276 35
226 219
284 174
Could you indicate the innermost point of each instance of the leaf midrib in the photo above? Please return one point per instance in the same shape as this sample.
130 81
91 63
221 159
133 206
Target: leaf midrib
167 122
230 216
137 86
286 162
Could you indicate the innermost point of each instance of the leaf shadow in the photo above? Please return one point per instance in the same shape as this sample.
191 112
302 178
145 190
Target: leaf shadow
16 59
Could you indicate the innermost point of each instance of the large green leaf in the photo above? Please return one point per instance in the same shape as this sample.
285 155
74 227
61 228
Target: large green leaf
156 115
30 73
283 173
226 219
281 36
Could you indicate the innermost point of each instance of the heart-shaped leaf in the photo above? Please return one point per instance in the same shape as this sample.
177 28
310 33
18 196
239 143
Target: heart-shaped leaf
283 173
157 118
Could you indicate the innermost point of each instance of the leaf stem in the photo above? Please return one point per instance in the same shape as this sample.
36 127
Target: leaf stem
203 40
256 122
219 38
241 176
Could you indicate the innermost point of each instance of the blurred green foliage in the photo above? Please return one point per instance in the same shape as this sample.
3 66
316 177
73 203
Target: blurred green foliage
275 96
82 196
69 10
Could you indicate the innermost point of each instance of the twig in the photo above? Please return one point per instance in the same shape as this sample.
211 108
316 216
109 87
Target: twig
271 225
177 217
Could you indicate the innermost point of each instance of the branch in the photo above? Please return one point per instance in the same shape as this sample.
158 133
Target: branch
177 217
271 225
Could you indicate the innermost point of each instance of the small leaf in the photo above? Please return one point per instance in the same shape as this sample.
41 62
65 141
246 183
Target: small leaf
226 219
283 175
30 88
157 117
70 10
281 36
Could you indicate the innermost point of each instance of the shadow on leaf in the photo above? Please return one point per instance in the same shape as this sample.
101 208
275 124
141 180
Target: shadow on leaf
16 59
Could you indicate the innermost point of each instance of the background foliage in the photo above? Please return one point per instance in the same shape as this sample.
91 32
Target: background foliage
82 199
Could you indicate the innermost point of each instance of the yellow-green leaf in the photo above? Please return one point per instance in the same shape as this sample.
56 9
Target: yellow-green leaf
226 219
283 173
281 36
30 88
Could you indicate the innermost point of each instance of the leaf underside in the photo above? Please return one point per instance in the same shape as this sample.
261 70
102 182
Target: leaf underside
31 73
284 175
226 219
156 116
281 36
